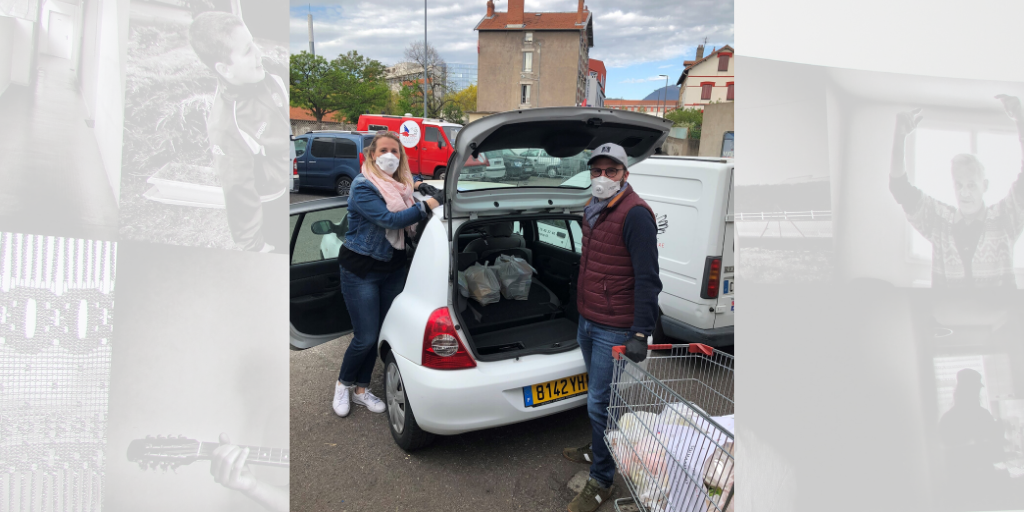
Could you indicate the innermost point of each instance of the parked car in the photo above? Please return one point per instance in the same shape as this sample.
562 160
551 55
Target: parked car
495 170
451 364
298 148
543 164
475 168
330 159
695 245
515 166
429 143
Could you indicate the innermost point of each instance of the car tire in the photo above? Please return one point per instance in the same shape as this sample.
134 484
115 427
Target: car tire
342 186
401 421
552 172
440 173
658 336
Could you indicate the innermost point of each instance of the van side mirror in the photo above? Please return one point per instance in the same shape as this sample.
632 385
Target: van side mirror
441 144
322 227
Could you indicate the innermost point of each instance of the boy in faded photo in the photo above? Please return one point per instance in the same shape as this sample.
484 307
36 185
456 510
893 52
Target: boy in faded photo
972 244
249 130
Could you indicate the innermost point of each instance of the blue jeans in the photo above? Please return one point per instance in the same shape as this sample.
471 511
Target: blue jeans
368 301
596 343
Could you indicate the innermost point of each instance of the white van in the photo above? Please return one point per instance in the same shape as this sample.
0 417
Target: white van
692 200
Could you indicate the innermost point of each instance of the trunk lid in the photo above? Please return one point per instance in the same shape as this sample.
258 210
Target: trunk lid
567 133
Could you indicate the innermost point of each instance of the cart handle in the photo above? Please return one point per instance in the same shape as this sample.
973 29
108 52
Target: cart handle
694 348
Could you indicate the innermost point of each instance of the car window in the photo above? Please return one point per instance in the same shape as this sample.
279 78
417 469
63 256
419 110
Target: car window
345 148
452 132
517 228
310 246
300 147
577 236
322 147
367 141
554 232
430 134
377 127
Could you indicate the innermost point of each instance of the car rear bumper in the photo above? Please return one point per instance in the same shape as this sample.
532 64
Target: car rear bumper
716 337
451 402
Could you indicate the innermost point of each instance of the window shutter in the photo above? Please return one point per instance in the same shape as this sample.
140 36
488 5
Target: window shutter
723 63
705 93
729 93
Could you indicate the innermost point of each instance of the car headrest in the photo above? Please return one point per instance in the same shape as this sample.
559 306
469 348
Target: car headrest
500 229
466 260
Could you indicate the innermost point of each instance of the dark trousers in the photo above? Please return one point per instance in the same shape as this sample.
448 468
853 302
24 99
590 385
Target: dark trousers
368 300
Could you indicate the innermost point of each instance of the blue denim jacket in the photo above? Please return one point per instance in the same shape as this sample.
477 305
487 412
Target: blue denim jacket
368 218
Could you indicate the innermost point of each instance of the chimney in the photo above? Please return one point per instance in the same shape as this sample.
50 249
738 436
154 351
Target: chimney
490 8
580 12
515 12
700 52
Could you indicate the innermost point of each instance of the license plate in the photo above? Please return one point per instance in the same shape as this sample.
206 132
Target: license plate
555 390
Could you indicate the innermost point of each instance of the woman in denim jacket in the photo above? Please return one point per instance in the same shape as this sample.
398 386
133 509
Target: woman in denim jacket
382 216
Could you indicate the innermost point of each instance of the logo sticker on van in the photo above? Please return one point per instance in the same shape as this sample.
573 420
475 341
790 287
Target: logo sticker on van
409 134
662 223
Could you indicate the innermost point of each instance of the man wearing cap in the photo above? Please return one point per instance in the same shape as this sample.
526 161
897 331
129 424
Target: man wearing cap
617 298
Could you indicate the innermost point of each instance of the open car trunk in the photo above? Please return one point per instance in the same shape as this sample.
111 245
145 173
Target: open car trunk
544 323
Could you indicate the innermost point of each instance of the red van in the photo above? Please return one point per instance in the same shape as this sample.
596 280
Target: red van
428 142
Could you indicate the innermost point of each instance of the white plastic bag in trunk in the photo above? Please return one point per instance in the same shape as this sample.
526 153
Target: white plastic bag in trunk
483 284
516 276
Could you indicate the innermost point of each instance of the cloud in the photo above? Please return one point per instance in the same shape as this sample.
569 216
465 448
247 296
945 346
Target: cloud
666 66
624 34
642 80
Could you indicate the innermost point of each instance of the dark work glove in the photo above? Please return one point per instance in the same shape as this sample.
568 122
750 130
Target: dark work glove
427 190
439 195
636 348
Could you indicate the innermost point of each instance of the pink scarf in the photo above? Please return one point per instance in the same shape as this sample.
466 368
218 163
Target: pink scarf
397 197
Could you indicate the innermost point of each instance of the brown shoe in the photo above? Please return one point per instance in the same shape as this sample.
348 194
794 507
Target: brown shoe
581 455
591 497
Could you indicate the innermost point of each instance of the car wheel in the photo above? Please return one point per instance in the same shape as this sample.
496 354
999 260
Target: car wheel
401 420
440 174
343 185
552 172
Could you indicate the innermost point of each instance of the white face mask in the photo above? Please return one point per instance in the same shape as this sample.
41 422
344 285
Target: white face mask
387 162
604 187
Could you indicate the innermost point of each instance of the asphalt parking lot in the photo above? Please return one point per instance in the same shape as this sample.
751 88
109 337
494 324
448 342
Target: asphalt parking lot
352 464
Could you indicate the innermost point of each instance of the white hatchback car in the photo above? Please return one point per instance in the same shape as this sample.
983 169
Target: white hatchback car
453 365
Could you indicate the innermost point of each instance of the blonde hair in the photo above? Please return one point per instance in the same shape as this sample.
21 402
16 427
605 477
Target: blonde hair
402 175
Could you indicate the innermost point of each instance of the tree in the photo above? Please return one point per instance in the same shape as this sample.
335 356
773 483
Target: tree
362 87
690 117
438 82
349 85
466 98
314 84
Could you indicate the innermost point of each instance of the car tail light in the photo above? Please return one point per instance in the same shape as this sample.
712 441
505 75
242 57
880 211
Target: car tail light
362 158
295 167
712 274
442 348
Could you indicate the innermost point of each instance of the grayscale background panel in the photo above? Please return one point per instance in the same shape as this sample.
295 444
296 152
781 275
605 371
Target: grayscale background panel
56 343
169 190
202 350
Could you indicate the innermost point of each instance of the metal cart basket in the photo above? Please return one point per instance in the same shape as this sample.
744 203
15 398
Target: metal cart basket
670 429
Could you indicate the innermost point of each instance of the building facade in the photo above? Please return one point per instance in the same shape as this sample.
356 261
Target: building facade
461 76
652 107
596 79
707 79
530 60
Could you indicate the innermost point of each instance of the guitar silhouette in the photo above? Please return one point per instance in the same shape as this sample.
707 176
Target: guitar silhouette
173 451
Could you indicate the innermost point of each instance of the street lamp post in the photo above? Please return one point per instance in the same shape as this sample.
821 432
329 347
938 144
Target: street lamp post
664 106
425 59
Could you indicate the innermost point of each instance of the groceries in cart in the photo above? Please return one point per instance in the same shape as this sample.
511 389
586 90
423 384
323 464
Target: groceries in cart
515 275
674 454
657 451
483 284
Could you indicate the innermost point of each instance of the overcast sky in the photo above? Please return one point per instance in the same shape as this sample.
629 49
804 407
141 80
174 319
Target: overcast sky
637 40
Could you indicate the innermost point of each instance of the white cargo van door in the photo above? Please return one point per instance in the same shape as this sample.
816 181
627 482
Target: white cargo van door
726 308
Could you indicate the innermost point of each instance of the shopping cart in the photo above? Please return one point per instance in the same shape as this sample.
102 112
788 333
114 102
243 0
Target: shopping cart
670 429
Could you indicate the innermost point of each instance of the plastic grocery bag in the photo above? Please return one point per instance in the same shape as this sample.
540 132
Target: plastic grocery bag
483 284
516 276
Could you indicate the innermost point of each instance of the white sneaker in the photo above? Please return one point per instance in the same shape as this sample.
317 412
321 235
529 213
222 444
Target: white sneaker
341 400
366 399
